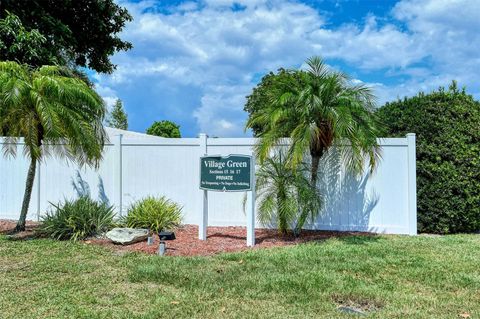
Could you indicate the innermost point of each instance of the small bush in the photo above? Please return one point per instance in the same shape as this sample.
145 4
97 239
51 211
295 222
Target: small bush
285 195
156 214
77 219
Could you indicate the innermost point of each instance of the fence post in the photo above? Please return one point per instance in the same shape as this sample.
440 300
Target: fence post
251 207
412 185
38 189
117 174
203 222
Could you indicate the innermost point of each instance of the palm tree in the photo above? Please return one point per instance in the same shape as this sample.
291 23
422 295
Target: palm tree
325 110
285 195
54 112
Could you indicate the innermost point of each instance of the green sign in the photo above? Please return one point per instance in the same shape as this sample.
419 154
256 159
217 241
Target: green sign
231 173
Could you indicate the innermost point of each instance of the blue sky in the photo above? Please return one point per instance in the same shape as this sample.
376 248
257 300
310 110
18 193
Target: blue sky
193 62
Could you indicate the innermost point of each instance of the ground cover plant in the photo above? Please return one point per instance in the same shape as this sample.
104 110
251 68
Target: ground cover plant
387 276
447 124
156 214
77 219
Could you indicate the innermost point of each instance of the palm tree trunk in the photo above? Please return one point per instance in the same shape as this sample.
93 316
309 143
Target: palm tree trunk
283 223
27 195
313 181
314 169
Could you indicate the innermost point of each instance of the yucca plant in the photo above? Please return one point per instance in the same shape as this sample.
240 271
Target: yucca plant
156 214
285 195
77 219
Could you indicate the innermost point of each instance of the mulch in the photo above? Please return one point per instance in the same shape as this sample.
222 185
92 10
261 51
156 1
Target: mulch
219 240
7 227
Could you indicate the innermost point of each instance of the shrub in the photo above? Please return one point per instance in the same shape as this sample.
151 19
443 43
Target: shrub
285 195
156 214
448 156
165 129
77 219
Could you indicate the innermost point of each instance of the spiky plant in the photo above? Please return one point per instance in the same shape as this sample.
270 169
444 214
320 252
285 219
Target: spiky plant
77 219
285 195
154 213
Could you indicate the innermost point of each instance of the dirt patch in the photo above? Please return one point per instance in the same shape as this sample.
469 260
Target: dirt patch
222 239
7 227
357 304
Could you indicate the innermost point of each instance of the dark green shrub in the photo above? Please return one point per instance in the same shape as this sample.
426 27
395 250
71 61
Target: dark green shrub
447 124
77 219
156 214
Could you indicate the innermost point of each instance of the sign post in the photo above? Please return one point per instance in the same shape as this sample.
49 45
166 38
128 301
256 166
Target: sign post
202 226
251 208
232 173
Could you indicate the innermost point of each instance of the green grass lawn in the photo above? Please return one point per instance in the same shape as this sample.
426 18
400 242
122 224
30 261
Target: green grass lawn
391 276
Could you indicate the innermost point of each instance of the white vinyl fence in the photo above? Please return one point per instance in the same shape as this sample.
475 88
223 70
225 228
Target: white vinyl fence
137 166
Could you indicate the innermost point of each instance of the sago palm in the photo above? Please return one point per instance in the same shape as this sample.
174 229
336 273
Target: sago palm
55 113
325 110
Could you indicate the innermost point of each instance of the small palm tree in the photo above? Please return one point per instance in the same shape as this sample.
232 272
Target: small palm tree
324 111
285 195
55 113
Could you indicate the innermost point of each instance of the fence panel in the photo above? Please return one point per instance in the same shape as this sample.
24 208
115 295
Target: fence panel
383 201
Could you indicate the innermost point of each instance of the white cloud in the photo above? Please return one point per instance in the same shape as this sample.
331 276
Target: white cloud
108 94
217 51
371 47
447 33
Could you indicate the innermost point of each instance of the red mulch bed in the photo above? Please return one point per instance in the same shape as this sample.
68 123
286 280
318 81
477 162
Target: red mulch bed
7 226
220 239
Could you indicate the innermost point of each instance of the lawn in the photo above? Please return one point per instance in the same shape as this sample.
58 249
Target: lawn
389 276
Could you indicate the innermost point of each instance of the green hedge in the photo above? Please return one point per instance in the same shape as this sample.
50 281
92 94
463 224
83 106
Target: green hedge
447 124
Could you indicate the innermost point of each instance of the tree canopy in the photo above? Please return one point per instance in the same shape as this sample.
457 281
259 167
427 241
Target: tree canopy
271 86
22 45
54 112
77 33
447 125
164 129
319 111
117 118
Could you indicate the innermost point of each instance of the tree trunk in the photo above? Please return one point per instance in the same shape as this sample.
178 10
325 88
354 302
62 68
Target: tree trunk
283 223
27 195
316 156
314 169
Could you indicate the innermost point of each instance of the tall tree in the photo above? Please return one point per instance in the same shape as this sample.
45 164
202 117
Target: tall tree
22 45
164 129
117 118
324 111
78 33
28 46
271 85
54 112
